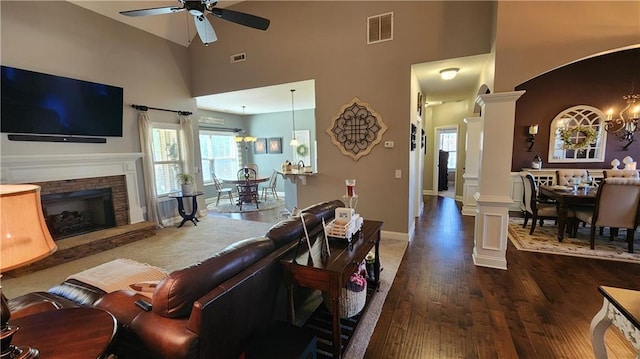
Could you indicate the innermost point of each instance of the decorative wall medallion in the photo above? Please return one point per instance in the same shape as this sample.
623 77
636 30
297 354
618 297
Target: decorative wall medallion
356 129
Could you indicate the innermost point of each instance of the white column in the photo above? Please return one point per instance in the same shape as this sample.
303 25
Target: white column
472 145
494 198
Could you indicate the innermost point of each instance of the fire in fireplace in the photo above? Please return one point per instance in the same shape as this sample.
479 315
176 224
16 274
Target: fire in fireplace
72 213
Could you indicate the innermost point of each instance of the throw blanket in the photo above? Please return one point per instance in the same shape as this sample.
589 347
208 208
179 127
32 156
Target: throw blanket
119 274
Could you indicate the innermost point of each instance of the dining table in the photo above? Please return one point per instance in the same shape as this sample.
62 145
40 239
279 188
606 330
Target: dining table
246 184
567 197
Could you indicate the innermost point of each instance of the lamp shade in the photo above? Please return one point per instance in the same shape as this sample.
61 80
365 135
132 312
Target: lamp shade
25 237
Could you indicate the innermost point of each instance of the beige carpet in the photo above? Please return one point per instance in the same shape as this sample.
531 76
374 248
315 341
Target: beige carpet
544 240
171 248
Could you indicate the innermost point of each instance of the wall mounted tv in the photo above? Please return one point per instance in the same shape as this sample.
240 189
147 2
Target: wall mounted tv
40 104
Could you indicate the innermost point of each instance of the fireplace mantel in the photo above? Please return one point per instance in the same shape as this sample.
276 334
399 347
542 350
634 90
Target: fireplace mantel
56 167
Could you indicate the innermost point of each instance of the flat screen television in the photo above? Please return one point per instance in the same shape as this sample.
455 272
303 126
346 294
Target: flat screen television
37 103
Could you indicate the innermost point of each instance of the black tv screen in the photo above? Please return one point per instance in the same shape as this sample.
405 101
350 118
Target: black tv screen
37 103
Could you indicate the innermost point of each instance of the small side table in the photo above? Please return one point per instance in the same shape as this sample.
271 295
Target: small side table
70 333
621 307
194 206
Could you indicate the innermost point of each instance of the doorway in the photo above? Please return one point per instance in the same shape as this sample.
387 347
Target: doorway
446 160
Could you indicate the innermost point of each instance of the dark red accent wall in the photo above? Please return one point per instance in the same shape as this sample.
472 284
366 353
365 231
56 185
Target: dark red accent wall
598 81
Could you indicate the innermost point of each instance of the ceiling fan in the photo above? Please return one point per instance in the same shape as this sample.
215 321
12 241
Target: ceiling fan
199 9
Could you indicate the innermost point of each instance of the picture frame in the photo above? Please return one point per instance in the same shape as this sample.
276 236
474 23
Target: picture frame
274 145
260 146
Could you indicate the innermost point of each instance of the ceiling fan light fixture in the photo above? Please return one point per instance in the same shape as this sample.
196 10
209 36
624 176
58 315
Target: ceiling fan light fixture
450 73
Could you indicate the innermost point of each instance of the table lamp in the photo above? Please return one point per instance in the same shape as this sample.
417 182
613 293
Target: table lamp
24 239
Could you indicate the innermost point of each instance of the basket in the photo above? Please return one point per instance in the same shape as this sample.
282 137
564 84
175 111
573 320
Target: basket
351 303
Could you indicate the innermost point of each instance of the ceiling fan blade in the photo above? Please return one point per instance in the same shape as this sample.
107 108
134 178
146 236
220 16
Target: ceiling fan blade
152 11
242 18
205 30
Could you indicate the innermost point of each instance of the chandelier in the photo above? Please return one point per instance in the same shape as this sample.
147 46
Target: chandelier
246 139
627 122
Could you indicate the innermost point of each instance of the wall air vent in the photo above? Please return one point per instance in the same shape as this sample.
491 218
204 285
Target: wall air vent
380 28
238 57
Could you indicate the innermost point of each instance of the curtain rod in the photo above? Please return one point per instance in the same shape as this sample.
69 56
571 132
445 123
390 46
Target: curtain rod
221 129
146 108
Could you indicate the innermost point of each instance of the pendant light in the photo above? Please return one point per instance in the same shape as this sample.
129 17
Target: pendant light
294 141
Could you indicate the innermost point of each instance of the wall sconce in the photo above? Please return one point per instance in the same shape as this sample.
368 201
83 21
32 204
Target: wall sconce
627 123
533 131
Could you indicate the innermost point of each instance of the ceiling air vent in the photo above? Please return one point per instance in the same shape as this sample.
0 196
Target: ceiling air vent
238 57
380 28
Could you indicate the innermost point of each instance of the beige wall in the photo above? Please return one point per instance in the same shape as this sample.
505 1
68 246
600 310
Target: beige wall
326 41
534 37
63 39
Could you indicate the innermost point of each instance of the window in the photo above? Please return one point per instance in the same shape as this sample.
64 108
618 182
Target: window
577 135
449 143
219 152
167 158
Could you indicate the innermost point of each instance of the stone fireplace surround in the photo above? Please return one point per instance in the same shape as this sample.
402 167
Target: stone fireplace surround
59 172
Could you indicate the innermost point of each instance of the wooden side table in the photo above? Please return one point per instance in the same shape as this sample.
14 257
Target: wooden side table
621 308
71 333
194 206
331 274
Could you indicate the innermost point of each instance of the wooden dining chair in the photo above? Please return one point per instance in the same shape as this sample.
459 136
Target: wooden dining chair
617 206
271 187
247 190
222 190
537 209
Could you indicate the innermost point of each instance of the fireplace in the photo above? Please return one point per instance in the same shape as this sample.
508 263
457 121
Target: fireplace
72 213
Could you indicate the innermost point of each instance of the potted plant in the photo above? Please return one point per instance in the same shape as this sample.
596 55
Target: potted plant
186 181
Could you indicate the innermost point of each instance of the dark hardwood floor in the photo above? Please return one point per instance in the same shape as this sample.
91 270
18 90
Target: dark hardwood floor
443 306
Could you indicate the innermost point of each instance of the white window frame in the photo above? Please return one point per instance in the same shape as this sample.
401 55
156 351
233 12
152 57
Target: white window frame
179 161
208 179
582 115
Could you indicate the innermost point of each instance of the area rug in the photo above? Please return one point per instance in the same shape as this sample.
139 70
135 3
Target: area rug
225 207
544 239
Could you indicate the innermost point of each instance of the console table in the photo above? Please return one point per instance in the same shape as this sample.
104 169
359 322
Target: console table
71 333
621 308
330 273
194 206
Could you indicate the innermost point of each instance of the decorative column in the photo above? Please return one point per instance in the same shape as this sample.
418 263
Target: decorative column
494 198
472 145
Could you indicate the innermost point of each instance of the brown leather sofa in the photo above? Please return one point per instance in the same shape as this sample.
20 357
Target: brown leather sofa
211 309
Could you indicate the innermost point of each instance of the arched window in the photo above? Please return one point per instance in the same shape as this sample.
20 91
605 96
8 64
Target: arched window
578 135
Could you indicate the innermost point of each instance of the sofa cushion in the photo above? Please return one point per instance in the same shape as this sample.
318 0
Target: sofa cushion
323 209
290 229
174 295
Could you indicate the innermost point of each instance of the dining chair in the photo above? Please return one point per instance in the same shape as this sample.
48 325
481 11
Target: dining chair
247 190
252 165
537 209
617 206
271 187
221 190
621 173
565 176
